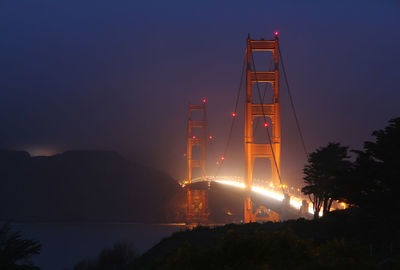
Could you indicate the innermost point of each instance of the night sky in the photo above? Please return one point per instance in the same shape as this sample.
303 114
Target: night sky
118 75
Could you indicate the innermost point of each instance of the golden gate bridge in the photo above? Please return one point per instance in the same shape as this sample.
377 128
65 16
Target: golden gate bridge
256 105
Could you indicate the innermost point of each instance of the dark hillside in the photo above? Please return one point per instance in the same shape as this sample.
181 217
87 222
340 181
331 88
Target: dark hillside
82 186
341 240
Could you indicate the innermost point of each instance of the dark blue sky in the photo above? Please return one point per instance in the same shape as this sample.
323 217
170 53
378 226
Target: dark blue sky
118 75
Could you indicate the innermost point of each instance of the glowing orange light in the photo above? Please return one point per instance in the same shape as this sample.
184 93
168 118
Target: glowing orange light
204 100
193 137
276 33
210 137
222 158
265 124
234 114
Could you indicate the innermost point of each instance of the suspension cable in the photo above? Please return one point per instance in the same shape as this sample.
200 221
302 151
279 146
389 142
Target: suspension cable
234 117
292 103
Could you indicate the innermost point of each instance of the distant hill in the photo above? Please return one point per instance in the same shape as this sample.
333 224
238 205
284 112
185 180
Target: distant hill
84 186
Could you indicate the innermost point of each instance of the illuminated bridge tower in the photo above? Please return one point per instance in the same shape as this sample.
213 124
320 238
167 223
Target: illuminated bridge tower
196 198
271 110
193 140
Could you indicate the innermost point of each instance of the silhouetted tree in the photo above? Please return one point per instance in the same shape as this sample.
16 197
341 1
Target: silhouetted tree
119 257
15 252
376 177
326 171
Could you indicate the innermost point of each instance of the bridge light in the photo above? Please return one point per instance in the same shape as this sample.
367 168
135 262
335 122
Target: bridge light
210 137
217 162
222 158
193 137
276 33
184 154
204 100
265 124
234 114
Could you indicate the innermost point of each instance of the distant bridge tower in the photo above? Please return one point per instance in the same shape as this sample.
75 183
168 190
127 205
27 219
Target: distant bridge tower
193 140
261 150
196 198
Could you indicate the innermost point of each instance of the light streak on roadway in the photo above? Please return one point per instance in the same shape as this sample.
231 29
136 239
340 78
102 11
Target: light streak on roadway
268 193
295 202
257 189
231 183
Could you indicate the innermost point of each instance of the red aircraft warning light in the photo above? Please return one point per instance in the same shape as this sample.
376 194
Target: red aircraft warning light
204 100
234 114
265 124
210 137
222 158
276 33
193 137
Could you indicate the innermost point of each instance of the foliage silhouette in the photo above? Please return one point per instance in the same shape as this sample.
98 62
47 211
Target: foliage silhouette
327 170
376 175
119 257
15 252
257 249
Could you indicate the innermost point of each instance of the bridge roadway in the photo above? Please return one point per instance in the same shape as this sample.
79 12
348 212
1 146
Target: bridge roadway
263 188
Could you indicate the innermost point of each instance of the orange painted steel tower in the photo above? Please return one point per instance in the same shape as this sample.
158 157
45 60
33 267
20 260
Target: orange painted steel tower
194 141
196 199
271 110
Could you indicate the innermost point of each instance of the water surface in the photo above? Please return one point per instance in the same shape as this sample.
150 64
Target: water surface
64 244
